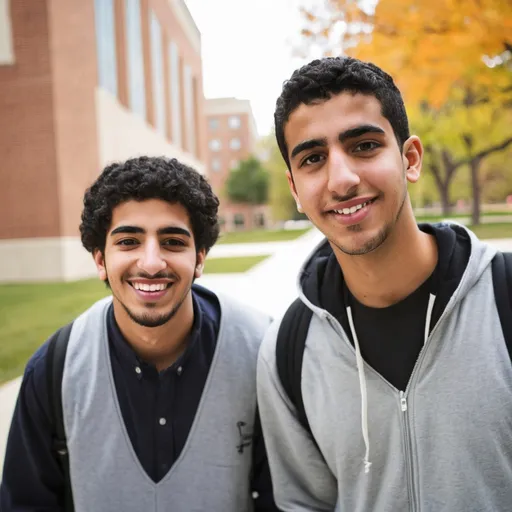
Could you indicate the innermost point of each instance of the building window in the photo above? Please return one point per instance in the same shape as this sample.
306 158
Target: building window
259 220
234 164
235 144
216 165
239 220
135 61
157 70
213 123
106 44
215 145
6 43
190 114
174 80
234 122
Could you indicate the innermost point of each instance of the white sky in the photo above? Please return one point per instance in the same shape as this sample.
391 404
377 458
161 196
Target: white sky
247 50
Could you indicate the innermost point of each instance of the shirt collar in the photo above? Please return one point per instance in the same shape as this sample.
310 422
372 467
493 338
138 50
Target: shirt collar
128 357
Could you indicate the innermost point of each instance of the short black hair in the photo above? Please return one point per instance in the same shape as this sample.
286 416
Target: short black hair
323 78
146 178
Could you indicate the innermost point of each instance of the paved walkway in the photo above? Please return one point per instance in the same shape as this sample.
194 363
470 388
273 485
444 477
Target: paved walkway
270 286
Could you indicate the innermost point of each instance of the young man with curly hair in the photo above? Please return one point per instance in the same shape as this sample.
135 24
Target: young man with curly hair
159 380
400 396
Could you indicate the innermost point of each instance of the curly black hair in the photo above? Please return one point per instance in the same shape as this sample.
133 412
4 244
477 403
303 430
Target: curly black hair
323 78
149 178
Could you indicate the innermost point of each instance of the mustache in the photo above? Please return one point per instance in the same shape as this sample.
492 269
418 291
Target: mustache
158 275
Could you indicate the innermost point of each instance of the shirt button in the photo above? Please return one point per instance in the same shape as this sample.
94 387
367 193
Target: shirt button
162 421
179 371
138 371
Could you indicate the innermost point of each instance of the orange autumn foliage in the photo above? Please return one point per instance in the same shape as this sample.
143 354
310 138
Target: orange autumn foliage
428 46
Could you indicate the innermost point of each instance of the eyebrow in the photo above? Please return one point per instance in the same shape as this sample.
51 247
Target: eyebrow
353 133
169 230
308 144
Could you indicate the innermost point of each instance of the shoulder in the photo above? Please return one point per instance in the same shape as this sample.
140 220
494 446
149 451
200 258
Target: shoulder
247 317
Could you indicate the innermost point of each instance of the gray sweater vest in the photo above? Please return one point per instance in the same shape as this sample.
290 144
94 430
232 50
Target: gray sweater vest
211 474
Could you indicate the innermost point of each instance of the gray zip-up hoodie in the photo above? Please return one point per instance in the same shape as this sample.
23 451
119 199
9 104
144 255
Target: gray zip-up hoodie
443 445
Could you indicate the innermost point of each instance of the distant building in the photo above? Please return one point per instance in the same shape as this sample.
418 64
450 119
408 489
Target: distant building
232 137
84 83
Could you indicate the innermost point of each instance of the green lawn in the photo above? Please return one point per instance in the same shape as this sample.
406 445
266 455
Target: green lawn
29 313
261 235
437 218
498 230
232 265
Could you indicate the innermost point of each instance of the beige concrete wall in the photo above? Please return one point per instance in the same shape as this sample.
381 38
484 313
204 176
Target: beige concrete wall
122 135
56 259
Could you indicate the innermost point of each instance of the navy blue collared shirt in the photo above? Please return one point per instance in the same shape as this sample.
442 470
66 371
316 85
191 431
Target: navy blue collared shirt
158 409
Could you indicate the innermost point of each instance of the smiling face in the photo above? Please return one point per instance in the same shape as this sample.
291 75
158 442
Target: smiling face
347 172
150 261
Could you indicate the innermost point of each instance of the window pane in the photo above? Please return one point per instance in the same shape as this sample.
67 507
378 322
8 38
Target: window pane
106 44
190 114
158 73
135 64
174 70
234 122
215 145
235 144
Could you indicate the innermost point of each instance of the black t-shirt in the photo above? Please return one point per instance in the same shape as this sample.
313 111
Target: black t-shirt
391 338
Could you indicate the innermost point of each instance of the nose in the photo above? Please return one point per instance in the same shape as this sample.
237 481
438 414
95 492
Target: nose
342 176
151 260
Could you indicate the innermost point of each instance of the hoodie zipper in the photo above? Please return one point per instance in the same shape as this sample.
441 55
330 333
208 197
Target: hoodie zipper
408 451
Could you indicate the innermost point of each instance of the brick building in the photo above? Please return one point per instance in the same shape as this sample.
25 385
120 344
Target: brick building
84 83
232 137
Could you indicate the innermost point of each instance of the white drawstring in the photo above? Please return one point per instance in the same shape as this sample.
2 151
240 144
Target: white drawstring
430 308
362 379
364 397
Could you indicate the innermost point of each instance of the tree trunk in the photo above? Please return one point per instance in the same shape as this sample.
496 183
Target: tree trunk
444 193
474 165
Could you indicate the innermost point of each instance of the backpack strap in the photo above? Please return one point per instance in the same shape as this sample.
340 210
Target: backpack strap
291 341
56 356
502 282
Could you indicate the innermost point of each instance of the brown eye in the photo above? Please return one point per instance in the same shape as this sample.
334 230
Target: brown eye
366 146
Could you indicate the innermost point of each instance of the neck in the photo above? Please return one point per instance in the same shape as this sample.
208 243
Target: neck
395 269
162 345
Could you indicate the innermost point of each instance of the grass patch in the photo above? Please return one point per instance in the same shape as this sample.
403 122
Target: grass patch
232 265
261 235
497 230
455 216
29 313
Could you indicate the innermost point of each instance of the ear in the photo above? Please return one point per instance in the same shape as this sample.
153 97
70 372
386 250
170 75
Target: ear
99 259
413 158
293 190
201 256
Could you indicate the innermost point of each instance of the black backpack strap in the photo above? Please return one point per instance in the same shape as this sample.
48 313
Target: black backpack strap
57 347
502 281
291 341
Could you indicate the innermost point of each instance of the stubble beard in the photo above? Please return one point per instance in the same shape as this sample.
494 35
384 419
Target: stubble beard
375 242
147 320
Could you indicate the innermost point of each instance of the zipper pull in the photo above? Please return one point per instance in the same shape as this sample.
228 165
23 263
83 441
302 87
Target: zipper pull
403 401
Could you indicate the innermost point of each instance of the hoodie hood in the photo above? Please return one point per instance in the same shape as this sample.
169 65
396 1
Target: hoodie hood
462 258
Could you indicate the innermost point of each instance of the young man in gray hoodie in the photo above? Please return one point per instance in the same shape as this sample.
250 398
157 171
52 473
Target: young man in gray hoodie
406 381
